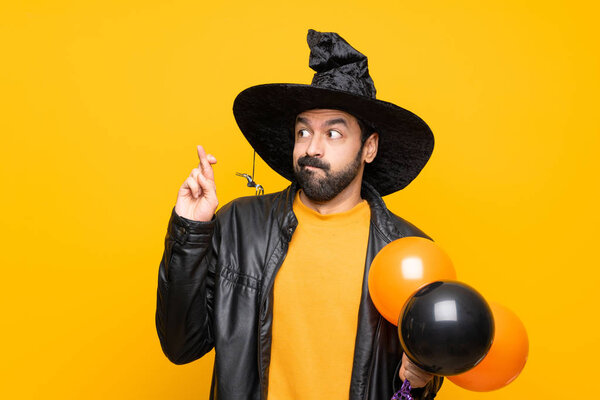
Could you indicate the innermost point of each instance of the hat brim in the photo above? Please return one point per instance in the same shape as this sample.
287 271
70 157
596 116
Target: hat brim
266 115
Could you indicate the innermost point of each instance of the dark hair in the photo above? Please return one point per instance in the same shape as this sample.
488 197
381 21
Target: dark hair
365 130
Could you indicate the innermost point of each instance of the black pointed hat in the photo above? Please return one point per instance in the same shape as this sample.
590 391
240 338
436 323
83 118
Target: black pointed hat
266 115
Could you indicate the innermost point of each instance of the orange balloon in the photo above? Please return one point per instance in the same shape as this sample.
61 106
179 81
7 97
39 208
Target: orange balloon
402 267
506 358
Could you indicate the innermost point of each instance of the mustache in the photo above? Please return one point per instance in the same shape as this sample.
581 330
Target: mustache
308 161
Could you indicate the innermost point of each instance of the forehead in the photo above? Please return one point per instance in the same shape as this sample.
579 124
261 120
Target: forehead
324 114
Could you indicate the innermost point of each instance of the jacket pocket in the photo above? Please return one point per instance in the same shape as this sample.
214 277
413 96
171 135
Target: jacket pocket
238 279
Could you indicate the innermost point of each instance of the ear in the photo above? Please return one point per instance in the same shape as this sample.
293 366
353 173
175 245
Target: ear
370 147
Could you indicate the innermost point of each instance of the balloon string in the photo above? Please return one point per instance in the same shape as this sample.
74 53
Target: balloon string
404 392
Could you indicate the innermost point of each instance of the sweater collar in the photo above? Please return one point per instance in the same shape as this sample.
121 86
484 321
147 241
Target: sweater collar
380 216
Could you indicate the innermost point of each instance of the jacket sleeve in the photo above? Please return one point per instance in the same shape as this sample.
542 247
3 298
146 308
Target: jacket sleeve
184 308
425 393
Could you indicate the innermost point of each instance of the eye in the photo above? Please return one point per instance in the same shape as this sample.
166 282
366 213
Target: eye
333 134
302 133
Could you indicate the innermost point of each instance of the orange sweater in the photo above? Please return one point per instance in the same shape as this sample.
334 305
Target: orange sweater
316 297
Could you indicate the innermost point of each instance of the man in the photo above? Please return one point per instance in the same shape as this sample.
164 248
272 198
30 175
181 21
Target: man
277 284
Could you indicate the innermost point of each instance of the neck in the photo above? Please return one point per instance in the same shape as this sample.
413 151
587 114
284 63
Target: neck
344 201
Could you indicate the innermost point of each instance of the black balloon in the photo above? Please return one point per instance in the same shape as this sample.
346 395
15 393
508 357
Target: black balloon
446 327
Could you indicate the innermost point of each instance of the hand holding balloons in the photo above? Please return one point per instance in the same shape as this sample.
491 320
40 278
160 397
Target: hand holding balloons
417 376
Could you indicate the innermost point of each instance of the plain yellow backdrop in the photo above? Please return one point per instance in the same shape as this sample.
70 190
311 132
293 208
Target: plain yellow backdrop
103 102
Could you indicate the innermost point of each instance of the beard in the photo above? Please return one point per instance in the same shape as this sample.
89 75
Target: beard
328 187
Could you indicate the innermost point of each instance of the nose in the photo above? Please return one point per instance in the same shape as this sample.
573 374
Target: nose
315 147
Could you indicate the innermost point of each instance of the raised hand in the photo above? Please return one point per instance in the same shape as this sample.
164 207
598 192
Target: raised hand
197 197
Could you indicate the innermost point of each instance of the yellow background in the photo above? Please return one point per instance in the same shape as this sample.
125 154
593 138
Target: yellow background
103 102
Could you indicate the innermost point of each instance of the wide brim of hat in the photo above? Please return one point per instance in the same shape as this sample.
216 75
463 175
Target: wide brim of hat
266 115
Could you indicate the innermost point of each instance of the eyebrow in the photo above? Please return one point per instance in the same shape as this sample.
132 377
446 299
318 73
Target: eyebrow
330 122
336 121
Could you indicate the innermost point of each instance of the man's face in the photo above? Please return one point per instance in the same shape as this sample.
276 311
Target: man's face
327 153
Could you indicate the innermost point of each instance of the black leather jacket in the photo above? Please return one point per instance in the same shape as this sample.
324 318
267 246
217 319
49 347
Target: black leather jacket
215 290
